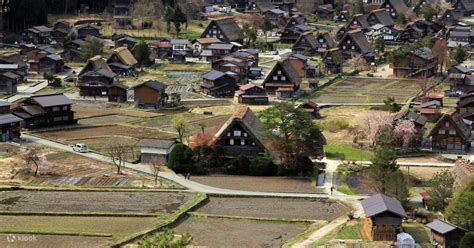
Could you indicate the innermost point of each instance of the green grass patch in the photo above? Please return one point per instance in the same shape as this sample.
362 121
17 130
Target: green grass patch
302 236
350 231
346 190
345 151
334 125
418 231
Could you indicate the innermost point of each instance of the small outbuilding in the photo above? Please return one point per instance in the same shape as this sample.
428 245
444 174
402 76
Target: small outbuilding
155 151
446 235
117 92
384 217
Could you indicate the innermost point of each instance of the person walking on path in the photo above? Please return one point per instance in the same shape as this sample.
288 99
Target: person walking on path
332 189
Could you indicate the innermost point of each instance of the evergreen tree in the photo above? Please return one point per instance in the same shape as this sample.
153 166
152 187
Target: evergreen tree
383 165
379 44
141 52
91 47
459 54
179 18
461 208
168 17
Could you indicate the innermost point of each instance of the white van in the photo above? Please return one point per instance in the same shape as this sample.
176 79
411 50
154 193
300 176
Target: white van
82 148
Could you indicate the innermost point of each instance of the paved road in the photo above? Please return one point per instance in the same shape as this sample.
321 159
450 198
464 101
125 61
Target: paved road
194 186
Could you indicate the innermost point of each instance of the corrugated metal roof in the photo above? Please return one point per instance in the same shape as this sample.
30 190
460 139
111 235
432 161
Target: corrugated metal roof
380 203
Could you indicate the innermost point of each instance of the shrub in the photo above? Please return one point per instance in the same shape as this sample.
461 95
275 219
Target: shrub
334 125
262 166
467 241
181 159
303 167
239 166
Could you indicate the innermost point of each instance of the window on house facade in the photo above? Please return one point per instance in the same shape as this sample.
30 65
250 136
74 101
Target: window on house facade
275 78
242 142
228 134
245 134
237 133
279 72
452 132
447 124
65 107
441 131
283 78
56 109
231 142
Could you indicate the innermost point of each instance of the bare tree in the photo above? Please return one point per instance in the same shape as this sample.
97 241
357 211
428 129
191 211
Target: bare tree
118 152
357 62
179 124
32 159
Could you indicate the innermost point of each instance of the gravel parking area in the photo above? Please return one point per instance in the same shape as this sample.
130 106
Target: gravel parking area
211 232
266 184
119 202
291 208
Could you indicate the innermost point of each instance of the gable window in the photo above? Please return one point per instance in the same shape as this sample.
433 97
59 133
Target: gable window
283 78
343 47
231 142
245 134
242 142
279 72
228 134
452 132
441 131
447 124
237 133
353 47
275 78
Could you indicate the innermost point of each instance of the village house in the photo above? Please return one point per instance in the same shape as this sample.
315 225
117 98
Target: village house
13 62
241 135
95 77
180 51
155 151
355 43
225 29
457 75
9 82
380 16
9 123
218 50
51 63
306 44
276 17
121 7
383 217
418 64
285 5
117 92
294 28
72 50
60 31
450 17
310 107
430 109
465 7
419 121
84 30
261 6
150 94
465 106
251 94
333 61
218 84
300 64
122 62
416 31
451 134
124 40
325 12
39 35
45 111
163 49
445 235
325 41
395 8
461 35
343 16
201 44
380 31
359 21
283 80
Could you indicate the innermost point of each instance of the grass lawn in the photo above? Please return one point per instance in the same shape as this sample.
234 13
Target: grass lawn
345 151
346 190
352 230
419 232
116 226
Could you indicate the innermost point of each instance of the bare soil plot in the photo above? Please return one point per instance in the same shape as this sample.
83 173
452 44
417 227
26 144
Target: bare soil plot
367 90
290 208
117 202
51 241
76 224
102 131
107 120
266 184
98 108
423 173
238 233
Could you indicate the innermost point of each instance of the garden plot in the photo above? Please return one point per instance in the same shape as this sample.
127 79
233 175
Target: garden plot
288 208
266 184
213 232
111 202
51 241
367 90
108 119
105 133
84 108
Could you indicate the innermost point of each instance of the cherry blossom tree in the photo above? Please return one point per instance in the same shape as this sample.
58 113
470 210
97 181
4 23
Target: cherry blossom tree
405 133
372 123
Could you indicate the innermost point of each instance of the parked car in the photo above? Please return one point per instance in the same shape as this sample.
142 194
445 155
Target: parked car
82 148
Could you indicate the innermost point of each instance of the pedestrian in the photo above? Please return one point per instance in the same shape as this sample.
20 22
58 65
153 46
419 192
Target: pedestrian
332 189
186 176
189 176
